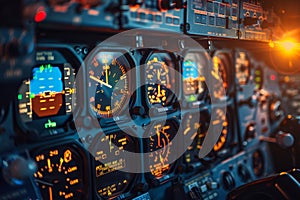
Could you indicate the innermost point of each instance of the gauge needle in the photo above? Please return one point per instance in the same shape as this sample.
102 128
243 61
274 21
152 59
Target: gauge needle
106 75
50 193
158 139
158 75
61 160
110 146
44 182
158 88
99 81
49 165
161 160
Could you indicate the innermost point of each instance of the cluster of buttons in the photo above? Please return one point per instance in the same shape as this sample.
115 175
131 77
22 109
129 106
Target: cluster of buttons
156 17
203 188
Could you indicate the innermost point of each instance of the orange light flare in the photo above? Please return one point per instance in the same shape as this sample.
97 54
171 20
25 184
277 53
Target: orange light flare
285 55
287 46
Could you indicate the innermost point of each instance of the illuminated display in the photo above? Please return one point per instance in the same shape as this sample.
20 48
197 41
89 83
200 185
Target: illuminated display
224 137
193 77
159 146
219 73
158 80
48 93
242 68
194 129
46 89
60 173
107 73
109 160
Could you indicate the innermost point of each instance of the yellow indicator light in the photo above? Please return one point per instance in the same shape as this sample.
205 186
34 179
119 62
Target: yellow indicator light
271 44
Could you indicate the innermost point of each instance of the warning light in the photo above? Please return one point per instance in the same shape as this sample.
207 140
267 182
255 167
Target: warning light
40 15
273 77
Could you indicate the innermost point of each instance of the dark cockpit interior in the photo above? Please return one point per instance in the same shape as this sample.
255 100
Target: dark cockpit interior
149 99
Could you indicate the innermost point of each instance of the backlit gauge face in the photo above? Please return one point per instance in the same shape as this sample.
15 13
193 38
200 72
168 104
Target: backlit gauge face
193 131
193 77
158 80
107 73
109 180
242 68
219 72
60 173
258 78
47 94
161 136
223 139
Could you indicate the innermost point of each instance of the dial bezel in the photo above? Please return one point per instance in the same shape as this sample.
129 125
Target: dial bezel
62 128
85 176
172 84
124 60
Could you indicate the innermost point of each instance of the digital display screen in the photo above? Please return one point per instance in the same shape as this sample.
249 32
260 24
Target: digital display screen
48 93
193 77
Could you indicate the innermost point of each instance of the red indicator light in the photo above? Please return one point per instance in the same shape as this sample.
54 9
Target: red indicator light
40 15
273 77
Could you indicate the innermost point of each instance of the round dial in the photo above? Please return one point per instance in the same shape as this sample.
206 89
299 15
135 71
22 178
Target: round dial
193 78
159 146
60 173
219 72
193 131
157 82
107 74
224 137
242 68
110 180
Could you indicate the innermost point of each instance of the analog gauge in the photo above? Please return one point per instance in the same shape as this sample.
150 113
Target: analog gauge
110 180
194 129
158 80
193 77
159 146
242 68
107 74
223 139
60 173
45 101
220 74
258 78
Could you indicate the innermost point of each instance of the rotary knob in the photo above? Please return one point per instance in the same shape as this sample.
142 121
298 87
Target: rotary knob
16 169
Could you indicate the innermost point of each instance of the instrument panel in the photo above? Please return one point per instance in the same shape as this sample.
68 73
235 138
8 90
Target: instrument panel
46 101
141 101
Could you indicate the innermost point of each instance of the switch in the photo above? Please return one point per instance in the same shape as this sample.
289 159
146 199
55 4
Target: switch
212 185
